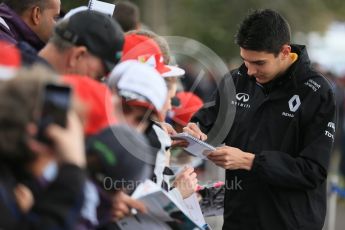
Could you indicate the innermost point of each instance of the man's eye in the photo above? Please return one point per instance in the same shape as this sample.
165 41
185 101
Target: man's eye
139 119
260 63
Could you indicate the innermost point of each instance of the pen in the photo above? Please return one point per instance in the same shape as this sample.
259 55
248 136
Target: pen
134 212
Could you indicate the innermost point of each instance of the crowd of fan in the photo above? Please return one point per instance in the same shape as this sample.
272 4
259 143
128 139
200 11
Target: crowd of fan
115 135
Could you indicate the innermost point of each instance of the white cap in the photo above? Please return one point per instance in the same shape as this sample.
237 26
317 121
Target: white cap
116 74
175 71
138 81
75 10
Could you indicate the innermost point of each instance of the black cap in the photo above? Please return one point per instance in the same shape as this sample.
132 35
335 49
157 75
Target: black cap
115 157
101 34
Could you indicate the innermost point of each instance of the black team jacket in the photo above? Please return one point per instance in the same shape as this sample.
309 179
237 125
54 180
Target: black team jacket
289 124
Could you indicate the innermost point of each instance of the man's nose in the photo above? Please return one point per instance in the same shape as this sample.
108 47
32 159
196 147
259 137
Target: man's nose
251 70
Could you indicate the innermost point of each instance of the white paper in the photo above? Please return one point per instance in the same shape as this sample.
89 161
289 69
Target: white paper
161 209
102 7
142 222
194 210
196 147
144 189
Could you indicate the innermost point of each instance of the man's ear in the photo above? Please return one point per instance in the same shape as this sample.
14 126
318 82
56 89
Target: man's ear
75 55
285 50
138 26
36 15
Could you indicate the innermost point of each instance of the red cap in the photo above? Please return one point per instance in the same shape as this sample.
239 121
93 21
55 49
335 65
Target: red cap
189 105
97 98
10 60
146 50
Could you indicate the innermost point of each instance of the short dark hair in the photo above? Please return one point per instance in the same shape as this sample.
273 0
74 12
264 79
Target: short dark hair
263 30
127 15
60 43
19 6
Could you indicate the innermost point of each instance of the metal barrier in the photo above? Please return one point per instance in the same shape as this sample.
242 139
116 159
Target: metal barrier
335 192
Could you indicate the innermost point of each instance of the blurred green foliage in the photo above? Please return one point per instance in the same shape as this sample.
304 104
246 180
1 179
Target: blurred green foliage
214 22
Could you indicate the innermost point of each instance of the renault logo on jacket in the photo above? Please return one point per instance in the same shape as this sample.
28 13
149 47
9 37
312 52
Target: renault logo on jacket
242 97
294 103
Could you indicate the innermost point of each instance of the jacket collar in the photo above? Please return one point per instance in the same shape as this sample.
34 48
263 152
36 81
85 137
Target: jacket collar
297 72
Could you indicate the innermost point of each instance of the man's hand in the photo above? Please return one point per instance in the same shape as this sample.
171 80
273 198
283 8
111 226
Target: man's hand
186 182
168 128
24 198
122 205
195 131
232 158
69 141
171 131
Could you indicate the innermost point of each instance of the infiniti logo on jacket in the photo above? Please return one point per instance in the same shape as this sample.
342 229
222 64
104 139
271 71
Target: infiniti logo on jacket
242 97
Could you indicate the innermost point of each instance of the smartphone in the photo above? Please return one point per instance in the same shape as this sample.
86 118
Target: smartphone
56 100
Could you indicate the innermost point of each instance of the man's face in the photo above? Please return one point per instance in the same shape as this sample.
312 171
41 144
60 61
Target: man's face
262 65
49 16
171 93
89 65
137 117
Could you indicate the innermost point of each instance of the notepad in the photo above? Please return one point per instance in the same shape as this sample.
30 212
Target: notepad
196 147
164 212
102 7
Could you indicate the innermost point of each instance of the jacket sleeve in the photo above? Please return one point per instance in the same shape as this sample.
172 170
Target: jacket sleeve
59 206
206 116
217 116
309 169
